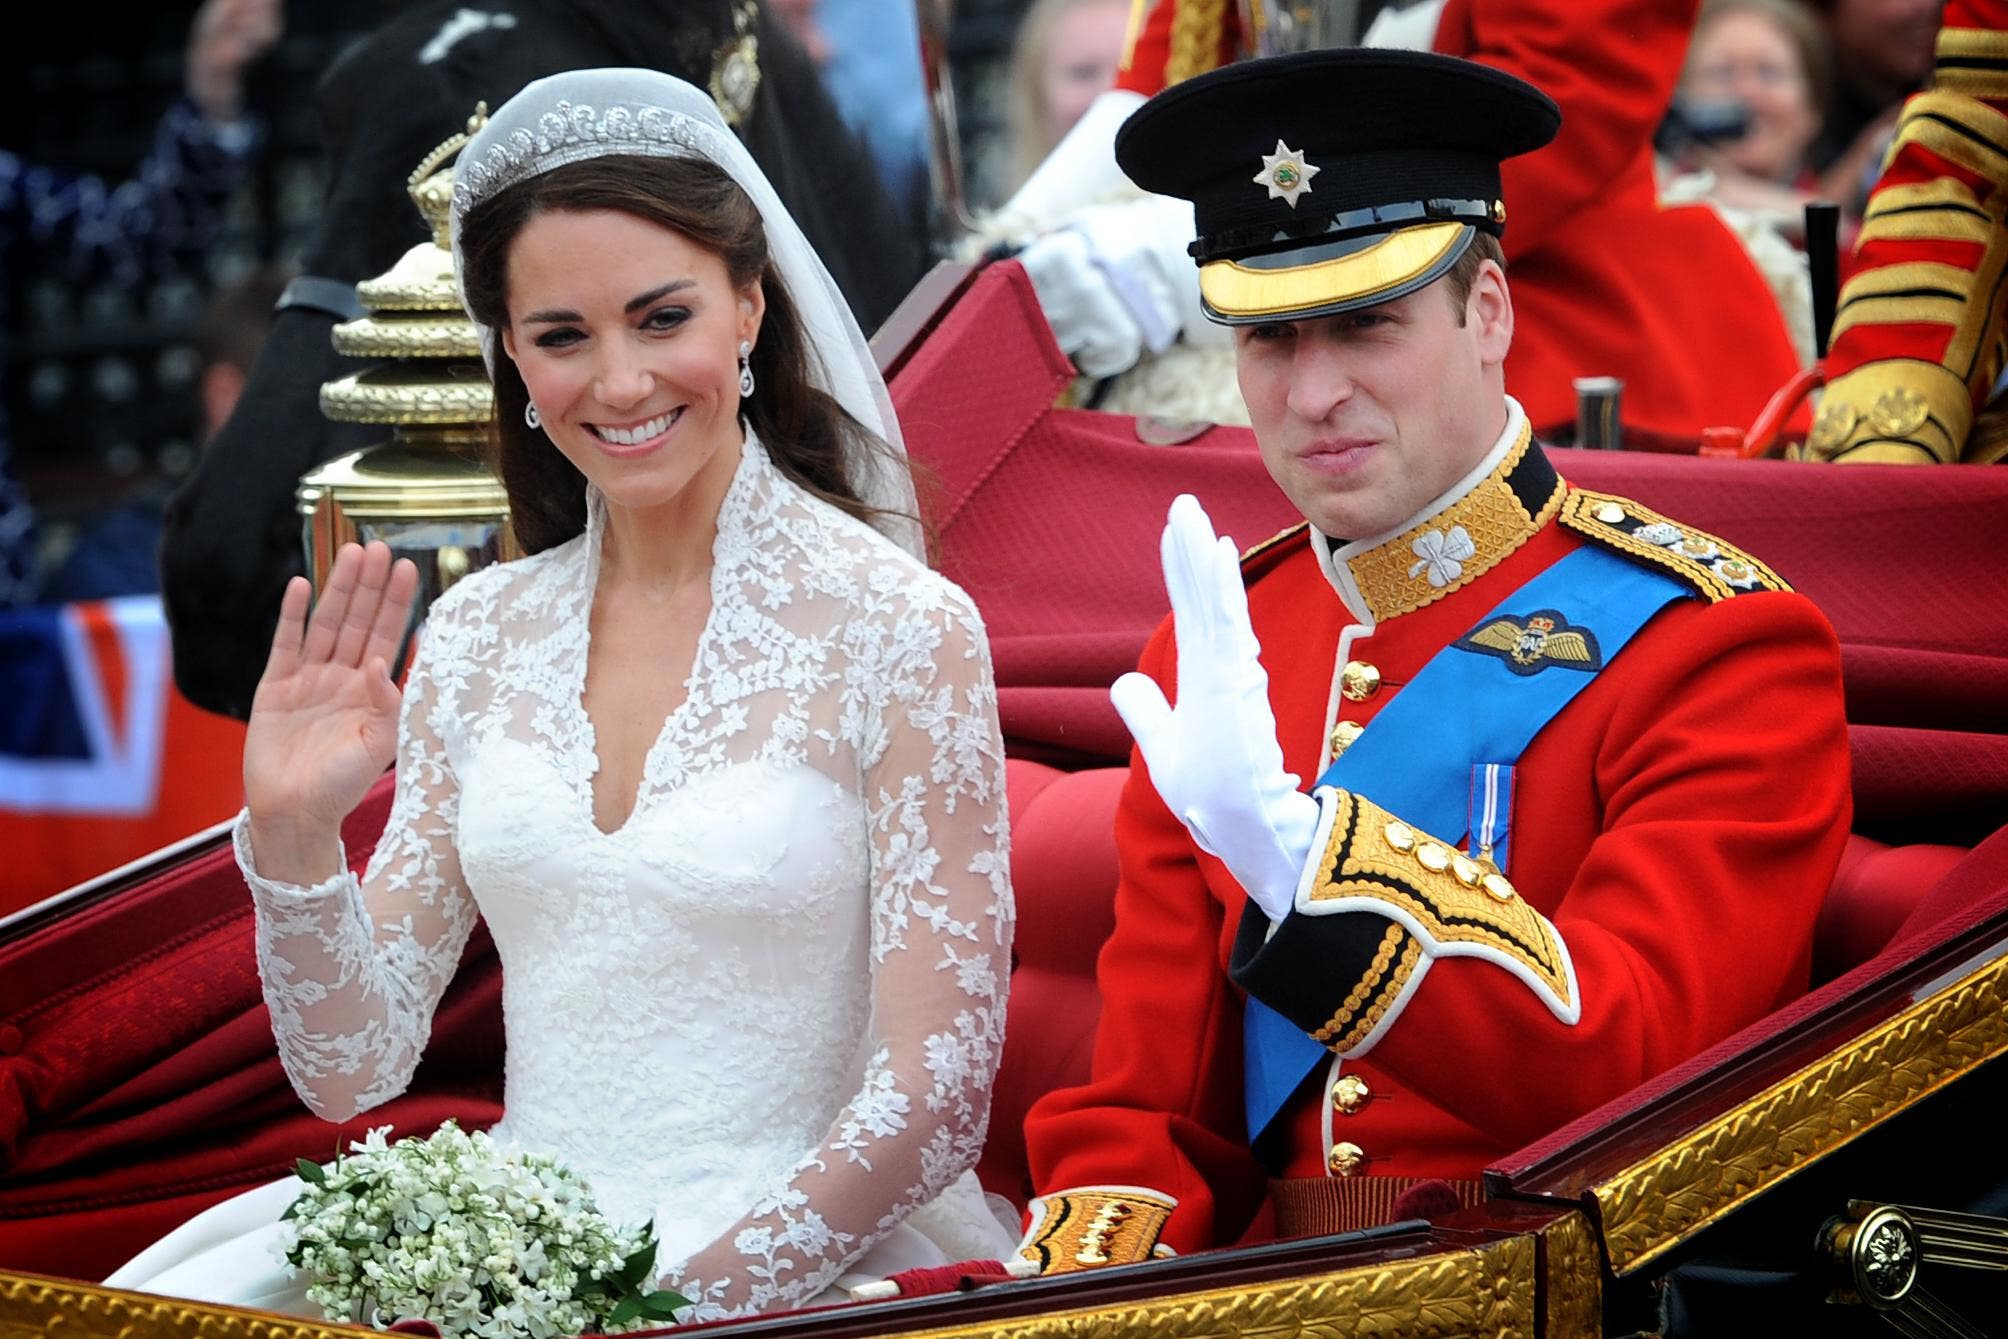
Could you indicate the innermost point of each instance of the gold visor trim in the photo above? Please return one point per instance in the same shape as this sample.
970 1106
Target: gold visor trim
1235 290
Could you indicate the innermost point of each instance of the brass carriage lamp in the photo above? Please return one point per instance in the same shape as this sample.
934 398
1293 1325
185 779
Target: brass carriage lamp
428 492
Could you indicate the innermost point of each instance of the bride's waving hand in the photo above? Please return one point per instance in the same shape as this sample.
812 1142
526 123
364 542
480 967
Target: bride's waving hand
324 722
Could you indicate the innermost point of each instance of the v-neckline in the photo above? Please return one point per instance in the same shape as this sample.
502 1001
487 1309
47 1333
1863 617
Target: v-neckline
673 720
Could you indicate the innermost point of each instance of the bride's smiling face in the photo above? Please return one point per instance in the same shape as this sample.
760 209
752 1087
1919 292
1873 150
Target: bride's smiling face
627 335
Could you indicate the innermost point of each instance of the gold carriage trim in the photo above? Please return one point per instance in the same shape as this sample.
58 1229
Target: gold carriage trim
1573 1270
1899 410
1242 292
1455 901
1663 1200
1091 1226
1973 61
1493 520
1713 566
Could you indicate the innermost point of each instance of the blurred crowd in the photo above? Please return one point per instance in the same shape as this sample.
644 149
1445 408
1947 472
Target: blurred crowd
1778 103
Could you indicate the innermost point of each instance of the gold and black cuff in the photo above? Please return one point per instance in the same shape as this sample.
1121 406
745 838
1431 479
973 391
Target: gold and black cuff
1088 1227
1379 903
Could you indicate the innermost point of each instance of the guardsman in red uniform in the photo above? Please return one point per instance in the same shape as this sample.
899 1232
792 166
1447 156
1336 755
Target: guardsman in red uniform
1580 771
1608 281
1918 333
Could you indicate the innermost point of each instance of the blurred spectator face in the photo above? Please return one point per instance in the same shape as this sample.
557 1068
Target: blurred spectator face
1885 41
1745 56
1082 52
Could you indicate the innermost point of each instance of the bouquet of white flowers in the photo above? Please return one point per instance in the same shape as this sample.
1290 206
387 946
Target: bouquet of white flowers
451 1230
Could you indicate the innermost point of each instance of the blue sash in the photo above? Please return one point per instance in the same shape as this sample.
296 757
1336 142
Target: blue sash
1464 708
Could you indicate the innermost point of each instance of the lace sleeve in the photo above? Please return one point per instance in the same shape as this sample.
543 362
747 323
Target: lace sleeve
941 915
353 970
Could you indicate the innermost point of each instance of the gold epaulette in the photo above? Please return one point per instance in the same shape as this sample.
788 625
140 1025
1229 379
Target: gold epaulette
1090 1226
1258 560
1714 567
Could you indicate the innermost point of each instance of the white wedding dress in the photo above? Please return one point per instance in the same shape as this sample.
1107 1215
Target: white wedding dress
767 1010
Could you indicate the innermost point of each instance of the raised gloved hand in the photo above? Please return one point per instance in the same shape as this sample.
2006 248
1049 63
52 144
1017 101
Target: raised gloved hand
1214 757
1116 282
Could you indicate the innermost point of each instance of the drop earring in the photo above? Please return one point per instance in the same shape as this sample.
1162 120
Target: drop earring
531 418
745 369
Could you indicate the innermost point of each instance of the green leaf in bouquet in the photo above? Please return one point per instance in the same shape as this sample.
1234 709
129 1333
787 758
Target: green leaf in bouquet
663 1304
635 1270
310 1172
624 1311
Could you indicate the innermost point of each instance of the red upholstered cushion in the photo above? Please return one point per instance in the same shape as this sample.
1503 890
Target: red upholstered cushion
1876 888
1063 874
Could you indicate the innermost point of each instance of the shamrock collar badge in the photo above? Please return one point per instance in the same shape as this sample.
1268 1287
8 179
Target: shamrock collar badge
1286 174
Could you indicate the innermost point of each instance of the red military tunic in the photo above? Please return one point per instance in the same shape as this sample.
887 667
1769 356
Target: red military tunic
1678 823
1606 280
1917 339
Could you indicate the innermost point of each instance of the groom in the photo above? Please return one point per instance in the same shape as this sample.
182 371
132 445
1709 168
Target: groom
1582 770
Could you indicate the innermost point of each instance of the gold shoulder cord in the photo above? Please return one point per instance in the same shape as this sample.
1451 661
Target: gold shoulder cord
1197 30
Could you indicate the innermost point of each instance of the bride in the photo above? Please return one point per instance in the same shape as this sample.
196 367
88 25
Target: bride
719 763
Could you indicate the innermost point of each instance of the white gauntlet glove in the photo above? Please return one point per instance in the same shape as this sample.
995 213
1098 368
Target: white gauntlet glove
1214 757
1110 266
1116 282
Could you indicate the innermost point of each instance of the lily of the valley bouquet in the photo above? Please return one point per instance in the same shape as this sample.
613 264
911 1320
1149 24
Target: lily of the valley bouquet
451 1229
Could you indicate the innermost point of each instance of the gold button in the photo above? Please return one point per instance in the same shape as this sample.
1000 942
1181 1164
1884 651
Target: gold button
1433 857
1899 412
1349 1094
1359 680
1836 419
1497 887
1346 1158
1466 869
1400 836
1610 513
1343 735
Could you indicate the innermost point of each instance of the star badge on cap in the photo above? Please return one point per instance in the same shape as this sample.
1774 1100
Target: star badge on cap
1286 174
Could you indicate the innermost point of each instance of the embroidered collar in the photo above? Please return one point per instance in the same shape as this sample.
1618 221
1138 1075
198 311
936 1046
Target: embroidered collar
1465 533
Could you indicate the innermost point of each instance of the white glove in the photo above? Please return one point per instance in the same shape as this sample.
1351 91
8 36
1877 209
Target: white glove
1116 281
1214 758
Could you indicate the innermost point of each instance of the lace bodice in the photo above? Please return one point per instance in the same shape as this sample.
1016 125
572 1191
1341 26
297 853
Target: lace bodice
767 1010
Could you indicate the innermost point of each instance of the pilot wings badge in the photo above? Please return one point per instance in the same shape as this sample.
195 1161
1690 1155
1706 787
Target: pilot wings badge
1543 640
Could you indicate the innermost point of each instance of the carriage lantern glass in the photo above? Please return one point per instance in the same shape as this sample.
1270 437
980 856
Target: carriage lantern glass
428 491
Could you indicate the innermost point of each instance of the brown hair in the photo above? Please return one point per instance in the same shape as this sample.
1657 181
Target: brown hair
1463 272
806 432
